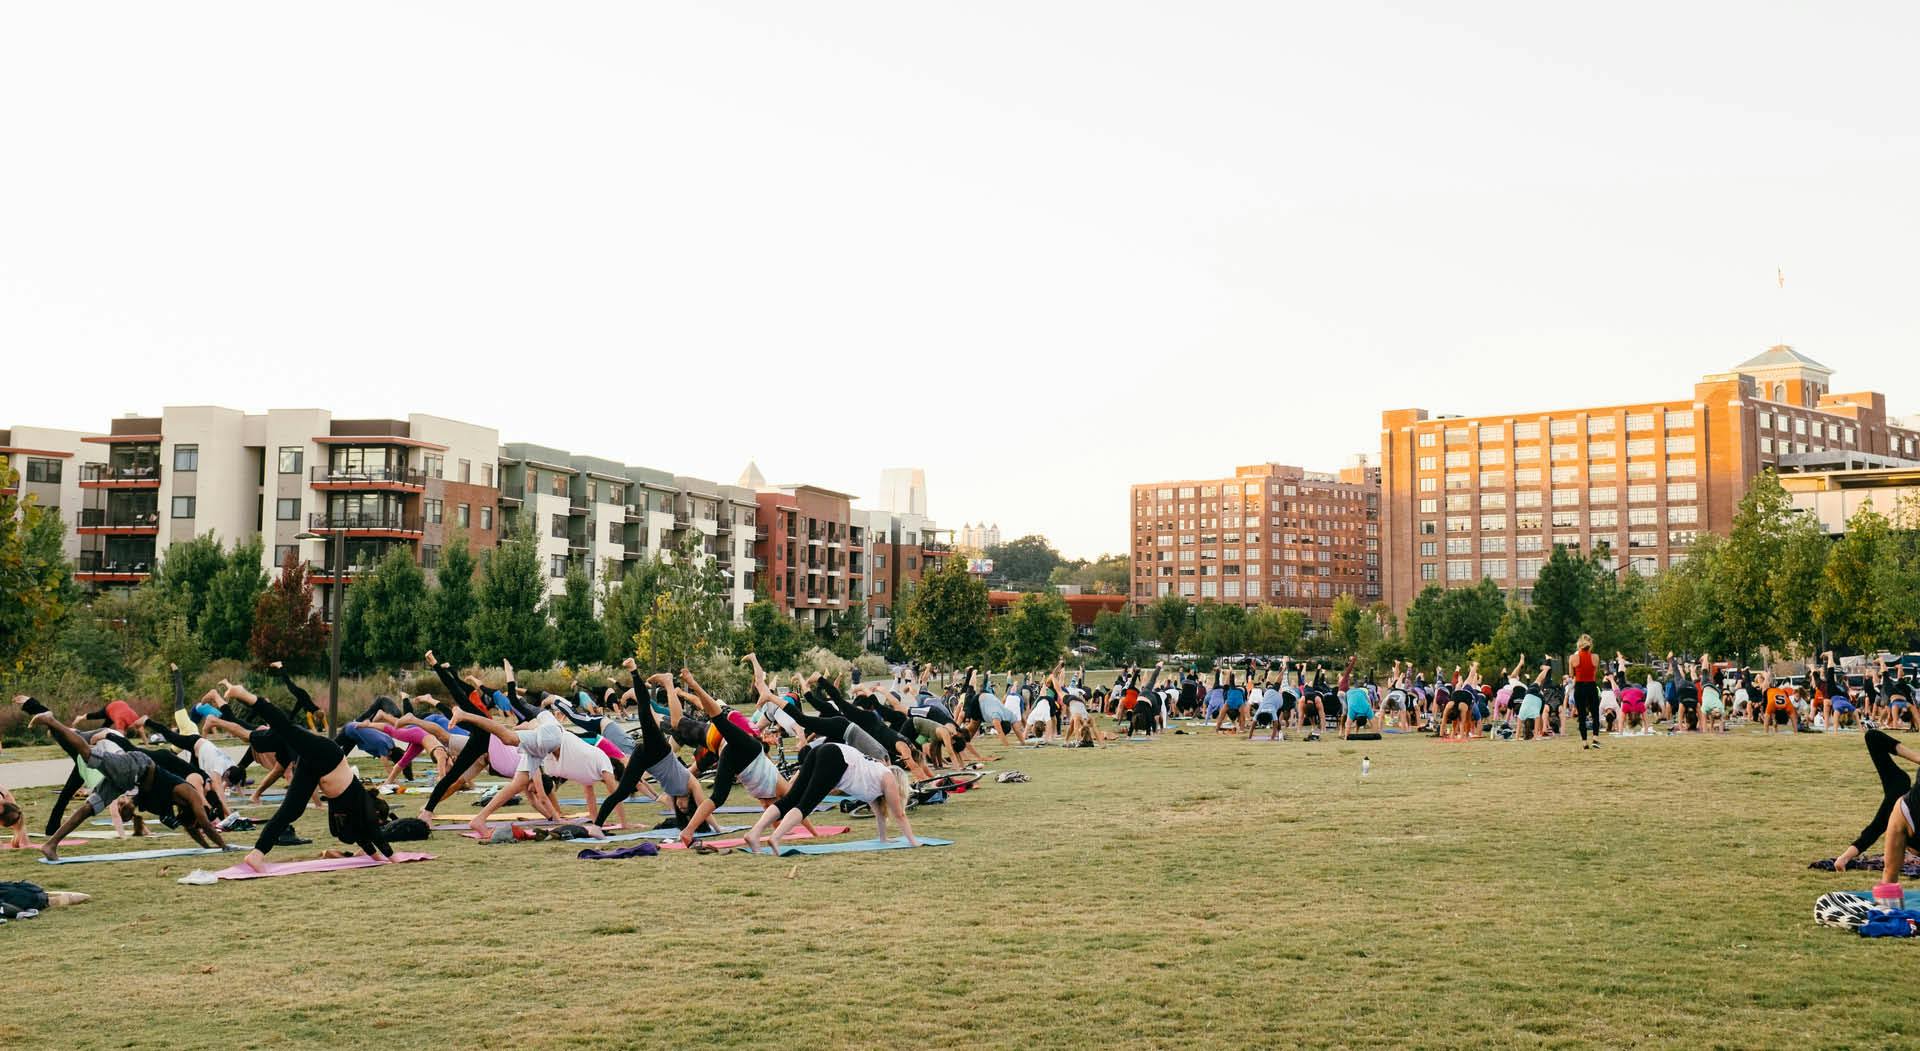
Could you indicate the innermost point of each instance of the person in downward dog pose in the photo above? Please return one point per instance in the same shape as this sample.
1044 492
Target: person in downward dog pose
354 815
743 759
828 767
122 770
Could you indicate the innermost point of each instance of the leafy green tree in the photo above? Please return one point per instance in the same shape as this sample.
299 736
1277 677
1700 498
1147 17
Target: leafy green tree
186 573
1170 617
1849 606
1275 632
1025 563
690 618
355 658
1222 630
1562 600
447 620
1796 582
1742 580
1443 624
944 619
1343 624
577 632
510 622
1680 610
1106 575
1034 633
226 624
1118 637
847 632
625 603
36 581
773 636
392 603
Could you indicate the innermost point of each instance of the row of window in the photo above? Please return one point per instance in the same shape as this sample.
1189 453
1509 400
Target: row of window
1674 420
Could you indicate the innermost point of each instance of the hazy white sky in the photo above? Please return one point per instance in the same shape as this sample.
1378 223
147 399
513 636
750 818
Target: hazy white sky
1042 250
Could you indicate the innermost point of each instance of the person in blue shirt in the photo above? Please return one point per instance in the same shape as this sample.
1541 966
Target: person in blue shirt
1233 706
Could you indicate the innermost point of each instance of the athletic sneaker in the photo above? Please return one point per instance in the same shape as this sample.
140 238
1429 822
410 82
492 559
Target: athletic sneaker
199 878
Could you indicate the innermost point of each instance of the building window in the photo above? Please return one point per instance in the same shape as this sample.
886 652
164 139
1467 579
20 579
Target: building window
486 519
1679 420
285 510
559 526
186 458
465 516
1429 571
1766 446
1681 491
1428 440
1427 549
183 507
486 477
466 471
557 566
289 459
1600 425
1429 506
1641 494
434 510
1681 444
41 469
282 552
1640 421
1526 432
1779 392
1561 428
434 464
429 556
1460 569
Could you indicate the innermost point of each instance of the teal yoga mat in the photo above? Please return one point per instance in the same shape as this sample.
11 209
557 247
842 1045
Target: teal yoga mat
138 855
859 846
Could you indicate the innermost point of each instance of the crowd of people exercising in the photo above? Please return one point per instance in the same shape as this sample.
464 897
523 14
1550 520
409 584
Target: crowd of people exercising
790 746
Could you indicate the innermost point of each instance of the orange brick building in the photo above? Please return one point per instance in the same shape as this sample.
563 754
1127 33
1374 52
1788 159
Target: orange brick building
1269 535
1491 496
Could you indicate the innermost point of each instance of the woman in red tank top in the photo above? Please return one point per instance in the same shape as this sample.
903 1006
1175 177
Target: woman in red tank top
1586 691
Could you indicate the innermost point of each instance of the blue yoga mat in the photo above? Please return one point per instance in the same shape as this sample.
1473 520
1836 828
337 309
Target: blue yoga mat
1912 902
859 846
138 855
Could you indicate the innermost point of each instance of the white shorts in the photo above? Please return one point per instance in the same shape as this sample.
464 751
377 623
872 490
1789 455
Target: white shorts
1042 713
1076 709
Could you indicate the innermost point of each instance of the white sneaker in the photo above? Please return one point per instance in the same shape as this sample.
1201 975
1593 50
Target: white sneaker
199 878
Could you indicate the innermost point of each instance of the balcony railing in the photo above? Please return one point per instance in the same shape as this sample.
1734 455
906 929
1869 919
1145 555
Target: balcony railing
389 521
106 472
106 518
322 475
98 562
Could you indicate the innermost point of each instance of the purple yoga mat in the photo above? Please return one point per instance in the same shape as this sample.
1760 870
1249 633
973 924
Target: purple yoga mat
294 868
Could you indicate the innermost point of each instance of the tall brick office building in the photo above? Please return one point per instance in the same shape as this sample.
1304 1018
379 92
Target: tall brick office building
1489 496
1270 534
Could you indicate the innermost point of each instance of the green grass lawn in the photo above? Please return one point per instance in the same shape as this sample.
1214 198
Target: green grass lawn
1190 891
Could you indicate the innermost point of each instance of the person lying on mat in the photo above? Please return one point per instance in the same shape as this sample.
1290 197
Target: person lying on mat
826 768
742 759
315 764
122 771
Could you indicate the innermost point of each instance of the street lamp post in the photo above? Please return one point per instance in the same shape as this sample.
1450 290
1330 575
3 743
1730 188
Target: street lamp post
335 602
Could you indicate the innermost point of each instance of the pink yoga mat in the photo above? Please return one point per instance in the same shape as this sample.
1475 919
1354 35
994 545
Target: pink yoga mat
294 868
723 844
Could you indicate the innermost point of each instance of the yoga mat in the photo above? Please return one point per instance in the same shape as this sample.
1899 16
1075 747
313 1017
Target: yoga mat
295 868
740 841
137 855
861 845
97 834
1912 897
503 817
651 833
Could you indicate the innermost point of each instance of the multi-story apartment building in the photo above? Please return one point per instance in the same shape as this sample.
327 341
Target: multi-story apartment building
900 549
813 551
151 482
1834 496
1489 496
606 516
1270 534
45 464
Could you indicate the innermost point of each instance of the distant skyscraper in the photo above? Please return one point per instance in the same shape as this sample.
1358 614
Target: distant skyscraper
903 490
979 537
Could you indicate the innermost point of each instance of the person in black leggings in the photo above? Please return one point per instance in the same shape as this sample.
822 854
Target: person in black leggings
155 790
465 698
354 815
1894 784
827 699
655 756
836 728
743 758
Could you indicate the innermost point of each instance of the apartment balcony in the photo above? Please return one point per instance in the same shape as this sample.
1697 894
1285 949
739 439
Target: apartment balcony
578 505
108 476
101 521
95 567
760 535
385 479
367 523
